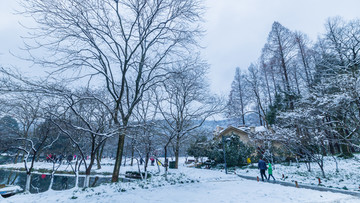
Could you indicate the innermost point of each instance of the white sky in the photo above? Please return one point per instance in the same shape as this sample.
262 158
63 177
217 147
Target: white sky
236 30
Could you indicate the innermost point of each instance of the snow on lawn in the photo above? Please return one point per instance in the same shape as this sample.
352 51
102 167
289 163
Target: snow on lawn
214 186
107 167
348 177
190 185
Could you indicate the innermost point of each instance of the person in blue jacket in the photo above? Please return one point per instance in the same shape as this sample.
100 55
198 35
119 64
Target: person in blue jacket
262 166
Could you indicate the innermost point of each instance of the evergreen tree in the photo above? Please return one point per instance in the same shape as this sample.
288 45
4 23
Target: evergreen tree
235 150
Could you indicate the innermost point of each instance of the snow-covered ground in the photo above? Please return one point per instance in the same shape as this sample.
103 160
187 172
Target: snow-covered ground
186 185
235 190
348 177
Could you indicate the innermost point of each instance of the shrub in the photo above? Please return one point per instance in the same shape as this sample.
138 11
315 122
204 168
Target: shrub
236 152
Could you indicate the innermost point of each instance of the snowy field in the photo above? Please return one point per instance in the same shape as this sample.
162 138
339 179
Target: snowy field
184 185
348 177
231 190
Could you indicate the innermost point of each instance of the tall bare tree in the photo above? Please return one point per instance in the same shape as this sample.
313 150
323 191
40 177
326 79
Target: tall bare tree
125 44
186 103
85 122
304 55
237 98
281 46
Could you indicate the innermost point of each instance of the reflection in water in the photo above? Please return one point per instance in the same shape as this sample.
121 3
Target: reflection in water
40 183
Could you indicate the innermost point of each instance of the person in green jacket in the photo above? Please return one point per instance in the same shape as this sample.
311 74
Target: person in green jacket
270 172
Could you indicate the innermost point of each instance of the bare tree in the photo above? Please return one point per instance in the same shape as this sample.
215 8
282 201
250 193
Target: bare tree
254 80
123 43
32 145
186 103
85 121
146 117
237 98
304 55
27 109
281 45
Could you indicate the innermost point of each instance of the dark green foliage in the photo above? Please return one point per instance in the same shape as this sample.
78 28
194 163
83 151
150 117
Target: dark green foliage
62 144
199 148
9 131
236 152
8 126
346 153
136 174
273 109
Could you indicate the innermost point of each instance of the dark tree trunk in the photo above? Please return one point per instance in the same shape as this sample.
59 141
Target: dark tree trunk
99 155
177 150
132 152
119 153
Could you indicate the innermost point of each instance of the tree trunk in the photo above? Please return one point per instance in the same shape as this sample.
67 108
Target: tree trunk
301 46
147 156
166 166
177 149
118 159
139 170
337 164
321 165
297 82
28 181
98 162
309 163
337 147
88 170
87 181
132 153
76 179
287 83
99 155
51 180
260 120
331 147
345 151
267 83
273 80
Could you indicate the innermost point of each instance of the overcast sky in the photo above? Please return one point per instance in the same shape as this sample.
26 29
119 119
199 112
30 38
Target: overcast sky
236 30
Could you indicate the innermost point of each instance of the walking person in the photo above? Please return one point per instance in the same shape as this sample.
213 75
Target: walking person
262 167
152 161
270 172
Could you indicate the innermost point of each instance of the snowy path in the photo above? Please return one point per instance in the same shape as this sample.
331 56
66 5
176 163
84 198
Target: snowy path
357 194
235 190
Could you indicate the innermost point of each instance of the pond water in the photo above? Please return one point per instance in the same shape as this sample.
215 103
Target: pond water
6 159
40 182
